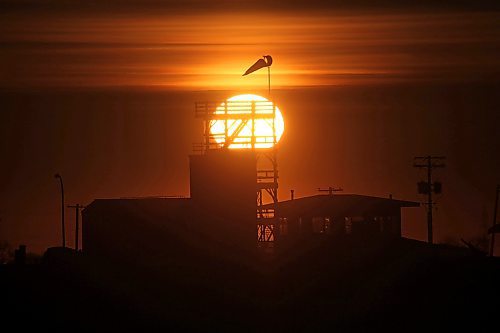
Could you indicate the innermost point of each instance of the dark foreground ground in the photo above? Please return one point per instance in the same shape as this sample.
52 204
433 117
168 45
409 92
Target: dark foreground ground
346 285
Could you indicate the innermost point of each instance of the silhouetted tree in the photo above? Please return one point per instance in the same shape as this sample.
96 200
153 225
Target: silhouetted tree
6 253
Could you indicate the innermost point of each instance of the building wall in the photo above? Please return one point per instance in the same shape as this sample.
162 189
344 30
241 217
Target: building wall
139 231
223 192
219 218
381 221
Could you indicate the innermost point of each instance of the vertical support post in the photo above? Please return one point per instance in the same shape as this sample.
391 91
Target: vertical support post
77 208
226 130
62 215
269 80
252 139
58 176
275 173
77 227
429 201
275 152
207 130
275 140
276 229
492 242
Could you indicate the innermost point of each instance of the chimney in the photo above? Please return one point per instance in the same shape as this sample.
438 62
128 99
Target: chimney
292 194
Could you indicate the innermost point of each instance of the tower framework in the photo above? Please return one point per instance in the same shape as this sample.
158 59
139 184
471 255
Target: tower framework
225 126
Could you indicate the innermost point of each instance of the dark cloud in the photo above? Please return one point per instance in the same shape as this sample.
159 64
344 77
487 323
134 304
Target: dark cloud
200 51
196 6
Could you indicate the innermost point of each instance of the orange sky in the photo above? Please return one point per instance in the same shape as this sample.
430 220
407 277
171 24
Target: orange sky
212 50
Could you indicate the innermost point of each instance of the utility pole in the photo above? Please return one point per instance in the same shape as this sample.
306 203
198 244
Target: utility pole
330 190
58 176
429 162
77 208
492 243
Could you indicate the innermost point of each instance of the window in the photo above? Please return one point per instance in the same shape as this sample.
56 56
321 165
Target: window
283 226
320 225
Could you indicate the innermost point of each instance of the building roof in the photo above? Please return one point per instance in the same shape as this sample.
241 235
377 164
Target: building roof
338 205
149 207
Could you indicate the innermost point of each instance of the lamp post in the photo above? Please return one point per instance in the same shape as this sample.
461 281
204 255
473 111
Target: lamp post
58 176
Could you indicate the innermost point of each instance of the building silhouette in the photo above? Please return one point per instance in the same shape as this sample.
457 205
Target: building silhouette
339 215
225 215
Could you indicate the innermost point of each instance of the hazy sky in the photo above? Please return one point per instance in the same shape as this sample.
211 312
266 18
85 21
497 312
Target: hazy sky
103 93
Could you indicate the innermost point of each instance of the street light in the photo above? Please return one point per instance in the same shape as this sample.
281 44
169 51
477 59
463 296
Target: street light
62 209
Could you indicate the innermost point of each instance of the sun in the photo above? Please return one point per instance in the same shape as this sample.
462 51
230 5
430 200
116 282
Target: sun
247 121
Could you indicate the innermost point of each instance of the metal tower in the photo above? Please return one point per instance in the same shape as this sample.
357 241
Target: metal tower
224 124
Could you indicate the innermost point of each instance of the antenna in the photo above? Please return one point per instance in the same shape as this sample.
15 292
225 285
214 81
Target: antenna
330 190
428 187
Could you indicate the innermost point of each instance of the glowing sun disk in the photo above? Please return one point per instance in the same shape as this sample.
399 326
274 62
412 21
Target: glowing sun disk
247 121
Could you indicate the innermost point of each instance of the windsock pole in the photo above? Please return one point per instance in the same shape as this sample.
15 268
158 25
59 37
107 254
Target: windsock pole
269 79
